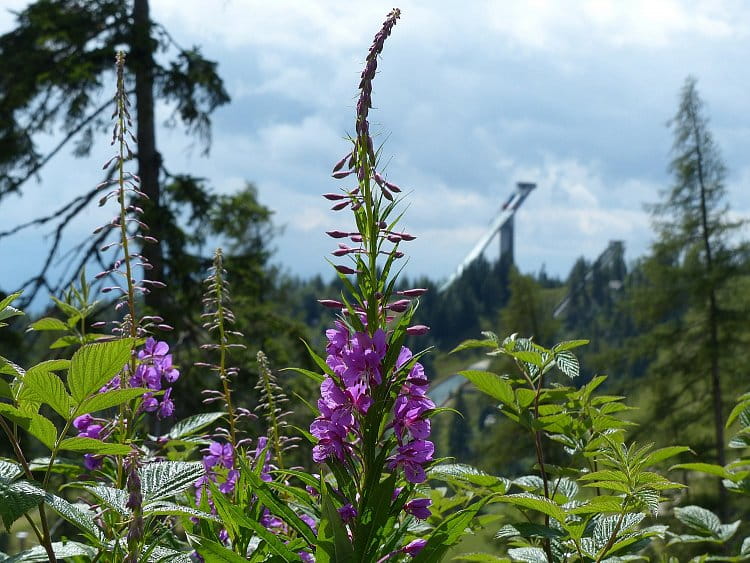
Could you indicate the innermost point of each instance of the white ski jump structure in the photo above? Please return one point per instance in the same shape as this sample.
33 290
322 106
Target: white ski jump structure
502 225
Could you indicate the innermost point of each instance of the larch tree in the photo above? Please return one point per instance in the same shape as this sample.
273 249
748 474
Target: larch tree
684 303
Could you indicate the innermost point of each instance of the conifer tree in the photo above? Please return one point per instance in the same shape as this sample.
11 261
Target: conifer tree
687 314
54 66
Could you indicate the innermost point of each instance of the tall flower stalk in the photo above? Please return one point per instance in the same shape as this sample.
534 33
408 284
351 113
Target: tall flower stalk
373 428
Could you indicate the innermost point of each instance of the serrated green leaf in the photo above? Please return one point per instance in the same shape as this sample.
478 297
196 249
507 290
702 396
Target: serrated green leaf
492 385
63 550
473 343
5 391
481 558
16 499
161 508
9 470
82 519
192 424
599 504
35 424
528 554
109 399
115 499
64 342
164 479
535 502
710 468
48 323
568 345
49 389
568 364
93 446
698 518
95 365
529 356
663 453
453 472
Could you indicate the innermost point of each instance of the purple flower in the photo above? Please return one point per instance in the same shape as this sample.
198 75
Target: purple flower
347 512
414 547
306 557
227 487
418 508
150 403
166 409
219 454
310 521
91 461
411 457
82 422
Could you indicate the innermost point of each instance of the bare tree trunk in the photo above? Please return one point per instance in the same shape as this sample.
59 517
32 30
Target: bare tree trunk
149 159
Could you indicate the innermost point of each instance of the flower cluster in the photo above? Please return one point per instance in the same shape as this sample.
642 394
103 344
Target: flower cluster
410 423
155 371
356 360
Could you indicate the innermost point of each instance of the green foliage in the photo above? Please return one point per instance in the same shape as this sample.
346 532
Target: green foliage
563 521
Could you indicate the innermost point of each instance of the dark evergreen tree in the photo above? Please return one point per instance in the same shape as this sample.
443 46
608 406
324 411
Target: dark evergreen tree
55 75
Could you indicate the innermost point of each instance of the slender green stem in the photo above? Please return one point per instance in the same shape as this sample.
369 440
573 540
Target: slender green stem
45 539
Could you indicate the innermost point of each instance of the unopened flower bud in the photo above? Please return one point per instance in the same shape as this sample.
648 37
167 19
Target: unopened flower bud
345 270
337 234
342 174
399 306
417 330
415 292
334 197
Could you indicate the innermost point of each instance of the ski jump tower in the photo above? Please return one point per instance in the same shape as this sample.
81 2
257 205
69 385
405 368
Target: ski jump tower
502 226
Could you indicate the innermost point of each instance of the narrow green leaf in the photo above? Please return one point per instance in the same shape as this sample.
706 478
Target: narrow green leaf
278 507
215 552
333 544
449 533
109 399
64 342
8 299
231 513
93 446
316 377
96 364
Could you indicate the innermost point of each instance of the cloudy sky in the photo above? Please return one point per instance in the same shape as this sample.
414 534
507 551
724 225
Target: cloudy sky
472 97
